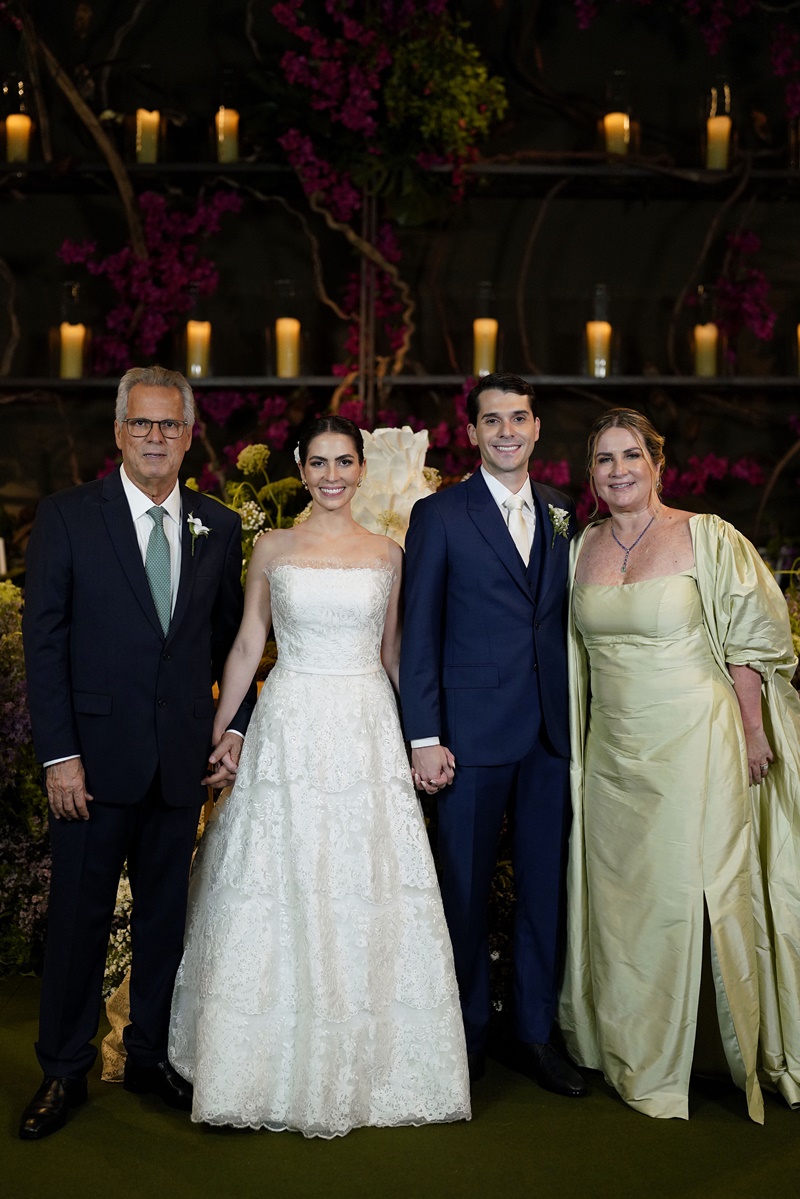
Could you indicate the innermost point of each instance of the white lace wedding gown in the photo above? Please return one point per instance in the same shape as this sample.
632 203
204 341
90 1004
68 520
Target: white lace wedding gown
317 989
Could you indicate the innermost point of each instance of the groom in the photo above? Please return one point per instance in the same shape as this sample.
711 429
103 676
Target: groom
483 684
133 598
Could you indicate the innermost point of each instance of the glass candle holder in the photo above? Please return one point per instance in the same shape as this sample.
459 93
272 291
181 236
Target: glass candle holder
72 339
147 135
617 122
287 347
598 335
18 121
718 126
198 349
226 134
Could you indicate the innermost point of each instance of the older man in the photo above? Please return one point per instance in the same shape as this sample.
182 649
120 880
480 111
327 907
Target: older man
133 598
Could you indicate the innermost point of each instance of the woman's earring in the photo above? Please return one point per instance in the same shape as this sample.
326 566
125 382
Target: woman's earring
360 480
305 484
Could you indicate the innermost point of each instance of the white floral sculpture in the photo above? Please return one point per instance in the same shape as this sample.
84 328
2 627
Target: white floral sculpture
395 478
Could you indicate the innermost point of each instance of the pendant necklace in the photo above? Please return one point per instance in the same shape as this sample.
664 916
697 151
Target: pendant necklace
628 548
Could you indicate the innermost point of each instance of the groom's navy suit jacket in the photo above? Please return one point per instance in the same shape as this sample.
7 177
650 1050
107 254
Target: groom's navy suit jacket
103 680
483 658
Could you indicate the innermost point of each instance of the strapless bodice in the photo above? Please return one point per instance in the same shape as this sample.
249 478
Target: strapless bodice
329 619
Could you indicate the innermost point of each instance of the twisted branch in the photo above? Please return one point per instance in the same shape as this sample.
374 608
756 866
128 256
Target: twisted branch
104 143
523 272
370 252
31 42
711 233
116 46
770 485
13 320
316 257
72 453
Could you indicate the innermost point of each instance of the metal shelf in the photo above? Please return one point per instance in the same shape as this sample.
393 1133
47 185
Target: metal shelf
612 383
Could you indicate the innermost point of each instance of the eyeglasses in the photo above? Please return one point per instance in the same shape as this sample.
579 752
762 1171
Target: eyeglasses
140 426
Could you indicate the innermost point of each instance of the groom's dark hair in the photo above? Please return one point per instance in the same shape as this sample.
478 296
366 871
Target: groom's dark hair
505 383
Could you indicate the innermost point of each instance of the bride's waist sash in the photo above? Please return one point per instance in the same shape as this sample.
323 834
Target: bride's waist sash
327 668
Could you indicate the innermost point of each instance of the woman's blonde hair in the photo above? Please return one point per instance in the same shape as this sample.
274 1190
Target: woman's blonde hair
649 439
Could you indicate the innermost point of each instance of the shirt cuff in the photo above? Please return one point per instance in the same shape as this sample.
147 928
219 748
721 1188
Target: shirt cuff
422 742
55 761
236 731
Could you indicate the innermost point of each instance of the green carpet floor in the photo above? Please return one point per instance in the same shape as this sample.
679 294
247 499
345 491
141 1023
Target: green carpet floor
522 1144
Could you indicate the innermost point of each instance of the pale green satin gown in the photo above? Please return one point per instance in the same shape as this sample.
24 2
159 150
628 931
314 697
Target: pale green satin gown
666 826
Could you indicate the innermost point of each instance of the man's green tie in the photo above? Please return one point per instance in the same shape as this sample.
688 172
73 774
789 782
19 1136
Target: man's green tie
157 568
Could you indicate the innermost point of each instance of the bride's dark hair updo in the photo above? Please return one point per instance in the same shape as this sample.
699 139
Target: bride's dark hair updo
331 423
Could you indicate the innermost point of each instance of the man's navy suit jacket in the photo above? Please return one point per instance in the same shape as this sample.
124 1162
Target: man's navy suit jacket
103 680
483 659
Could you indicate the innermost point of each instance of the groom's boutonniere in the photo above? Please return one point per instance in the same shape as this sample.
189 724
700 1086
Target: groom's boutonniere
196 528
560 521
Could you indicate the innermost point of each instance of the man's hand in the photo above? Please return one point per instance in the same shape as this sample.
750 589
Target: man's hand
223 761
432 768
66 790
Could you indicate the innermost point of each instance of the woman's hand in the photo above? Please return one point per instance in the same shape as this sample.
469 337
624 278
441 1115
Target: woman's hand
759 754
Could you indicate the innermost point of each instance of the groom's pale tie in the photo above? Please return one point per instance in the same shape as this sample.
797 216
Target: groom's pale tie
517 526
157 568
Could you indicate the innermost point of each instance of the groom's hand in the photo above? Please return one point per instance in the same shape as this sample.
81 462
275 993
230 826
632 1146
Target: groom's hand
223 761
66 790
432 768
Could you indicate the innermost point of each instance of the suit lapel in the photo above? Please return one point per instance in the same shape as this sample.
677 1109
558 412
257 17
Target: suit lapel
117 515
488 519
191 502
553 549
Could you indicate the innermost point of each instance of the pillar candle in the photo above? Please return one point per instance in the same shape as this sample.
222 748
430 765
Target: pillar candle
148 126
287 341
706 338
3 563
198 348
617 127
73 344
718 137
226 121
18 137
484 341
598 348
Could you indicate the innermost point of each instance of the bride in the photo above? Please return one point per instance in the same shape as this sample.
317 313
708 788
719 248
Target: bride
316 990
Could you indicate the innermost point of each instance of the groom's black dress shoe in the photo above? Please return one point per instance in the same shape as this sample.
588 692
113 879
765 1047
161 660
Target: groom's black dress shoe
47 1111
551 1071
476 1063
159 1080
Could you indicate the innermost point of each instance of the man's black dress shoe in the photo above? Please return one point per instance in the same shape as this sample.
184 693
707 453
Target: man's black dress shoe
159 1080
551 1071
47 1111
476 1063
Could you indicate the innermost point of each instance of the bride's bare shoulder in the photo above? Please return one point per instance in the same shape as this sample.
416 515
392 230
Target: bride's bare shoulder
275 543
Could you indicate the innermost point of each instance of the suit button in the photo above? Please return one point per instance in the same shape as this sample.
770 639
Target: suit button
162 703
168 657
536 666
538 625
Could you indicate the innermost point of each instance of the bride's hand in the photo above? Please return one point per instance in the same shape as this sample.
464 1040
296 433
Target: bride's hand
223 761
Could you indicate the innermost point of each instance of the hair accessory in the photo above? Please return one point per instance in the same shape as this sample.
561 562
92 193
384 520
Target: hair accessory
297 454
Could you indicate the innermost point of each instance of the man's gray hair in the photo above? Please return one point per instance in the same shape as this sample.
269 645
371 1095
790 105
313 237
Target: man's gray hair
154 376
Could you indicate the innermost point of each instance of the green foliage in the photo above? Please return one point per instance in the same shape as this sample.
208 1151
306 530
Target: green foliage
24 844
440 92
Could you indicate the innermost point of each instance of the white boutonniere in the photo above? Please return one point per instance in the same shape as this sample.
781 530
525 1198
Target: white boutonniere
196 528
560 521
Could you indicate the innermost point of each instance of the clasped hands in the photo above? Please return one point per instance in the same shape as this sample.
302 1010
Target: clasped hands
223 761
433 767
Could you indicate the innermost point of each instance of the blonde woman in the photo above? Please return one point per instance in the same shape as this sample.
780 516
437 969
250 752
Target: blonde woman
686 757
